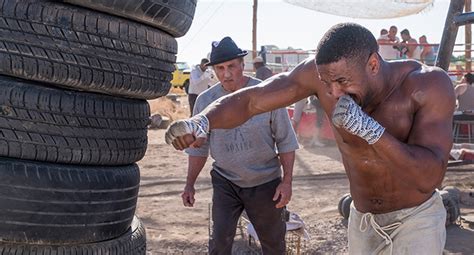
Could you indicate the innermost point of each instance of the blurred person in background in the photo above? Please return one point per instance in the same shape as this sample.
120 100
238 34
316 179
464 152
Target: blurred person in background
465 93
386 44
427 55
262 72
392 34
200 80
410 47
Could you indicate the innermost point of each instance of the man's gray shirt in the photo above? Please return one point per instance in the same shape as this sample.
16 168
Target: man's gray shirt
247 155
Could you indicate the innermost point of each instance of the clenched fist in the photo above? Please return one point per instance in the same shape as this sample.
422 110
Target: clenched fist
349 116
188 133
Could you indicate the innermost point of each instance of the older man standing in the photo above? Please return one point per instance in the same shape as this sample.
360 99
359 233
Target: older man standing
246 173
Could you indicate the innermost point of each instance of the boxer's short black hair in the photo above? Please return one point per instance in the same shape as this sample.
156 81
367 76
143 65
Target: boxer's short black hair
346 41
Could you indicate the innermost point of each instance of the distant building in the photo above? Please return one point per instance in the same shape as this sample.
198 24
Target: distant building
279 60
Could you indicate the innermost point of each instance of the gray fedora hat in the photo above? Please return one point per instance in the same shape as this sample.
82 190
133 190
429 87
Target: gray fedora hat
225 50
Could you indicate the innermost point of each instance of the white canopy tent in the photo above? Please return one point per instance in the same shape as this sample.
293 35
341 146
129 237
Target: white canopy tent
368 9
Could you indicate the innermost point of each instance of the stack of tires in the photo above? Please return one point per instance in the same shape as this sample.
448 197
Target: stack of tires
74 80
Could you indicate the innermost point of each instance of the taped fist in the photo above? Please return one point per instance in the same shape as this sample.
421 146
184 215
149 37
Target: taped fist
349 116
188 133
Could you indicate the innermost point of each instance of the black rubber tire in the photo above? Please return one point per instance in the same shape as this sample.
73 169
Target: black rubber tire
174 17
132 242
346 207
60 126
453 211
454 192
339 205
77 48
60 204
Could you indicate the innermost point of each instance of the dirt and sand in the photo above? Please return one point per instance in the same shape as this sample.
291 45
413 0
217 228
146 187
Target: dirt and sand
319 182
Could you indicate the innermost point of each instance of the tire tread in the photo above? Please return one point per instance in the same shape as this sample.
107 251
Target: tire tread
59 126
64 204
80 49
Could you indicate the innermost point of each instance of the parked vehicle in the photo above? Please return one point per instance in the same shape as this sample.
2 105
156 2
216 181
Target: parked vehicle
181 75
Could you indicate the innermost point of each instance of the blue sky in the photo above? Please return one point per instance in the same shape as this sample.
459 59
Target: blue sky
283 24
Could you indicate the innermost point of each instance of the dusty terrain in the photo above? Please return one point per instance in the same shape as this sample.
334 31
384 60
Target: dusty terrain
319 182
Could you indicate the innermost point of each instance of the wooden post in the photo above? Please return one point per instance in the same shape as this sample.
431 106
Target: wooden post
254 29
468 38
449 34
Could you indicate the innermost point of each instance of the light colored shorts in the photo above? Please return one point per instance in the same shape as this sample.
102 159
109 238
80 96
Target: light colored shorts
416 230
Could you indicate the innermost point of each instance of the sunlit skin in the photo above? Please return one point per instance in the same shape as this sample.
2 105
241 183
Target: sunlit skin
374 184
411 44
413 102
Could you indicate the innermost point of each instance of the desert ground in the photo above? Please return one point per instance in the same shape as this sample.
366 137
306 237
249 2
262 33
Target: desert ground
319 182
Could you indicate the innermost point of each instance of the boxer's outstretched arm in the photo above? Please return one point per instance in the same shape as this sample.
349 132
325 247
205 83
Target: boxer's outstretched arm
236 108
281 90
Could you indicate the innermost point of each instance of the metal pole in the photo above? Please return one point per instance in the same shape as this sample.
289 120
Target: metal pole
449 35
468 38
464 19
254 29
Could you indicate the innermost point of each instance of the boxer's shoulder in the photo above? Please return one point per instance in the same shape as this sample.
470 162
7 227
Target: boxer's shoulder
425 79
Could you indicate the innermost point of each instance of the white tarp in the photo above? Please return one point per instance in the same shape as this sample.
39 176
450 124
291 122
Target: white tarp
367 9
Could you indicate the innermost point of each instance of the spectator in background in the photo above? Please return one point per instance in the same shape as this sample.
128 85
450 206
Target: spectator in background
386 49
465 93
410 46
263 53
262 71
392 34
459 71
427 55
199 81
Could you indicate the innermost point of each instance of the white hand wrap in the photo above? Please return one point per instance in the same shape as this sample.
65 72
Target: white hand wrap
349 115
198 126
